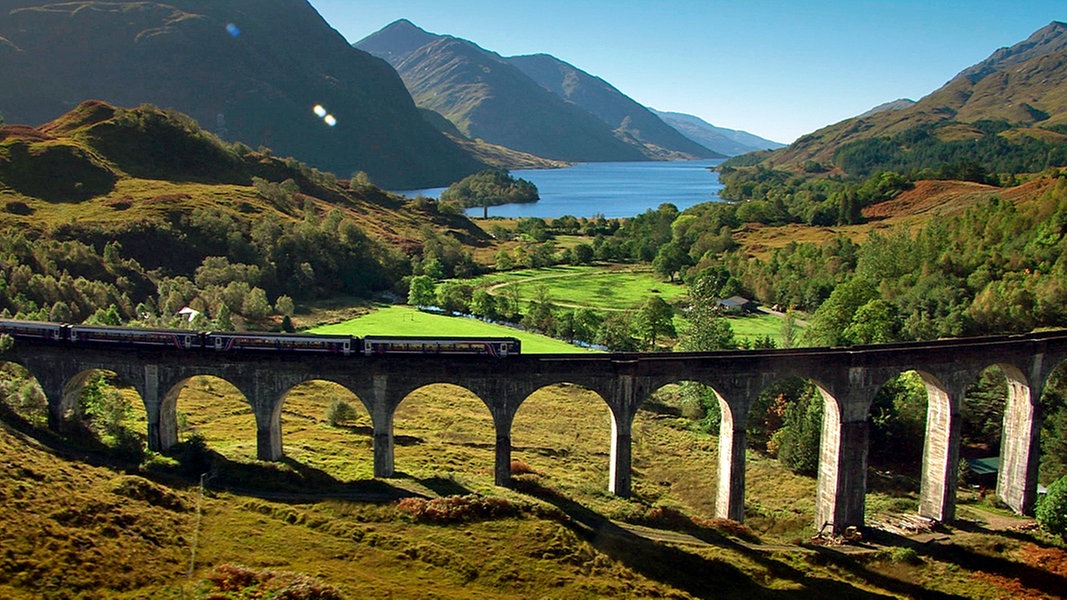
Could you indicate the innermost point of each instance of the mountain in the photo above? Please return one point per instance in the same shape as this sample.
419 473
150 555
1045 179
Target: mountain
629 119
730 142
168 191
250 70
891 105
489 98
1018 93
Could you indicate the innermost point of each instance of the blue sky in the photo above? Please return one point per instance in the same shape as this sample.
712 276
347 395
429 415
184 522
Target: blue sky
777 69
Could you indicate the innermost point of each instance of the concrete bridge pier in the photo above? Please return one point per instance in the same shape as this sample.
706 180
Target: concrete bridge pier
53 386
842 477
619 478
941 449
730 494
623 410
502 421
1019 445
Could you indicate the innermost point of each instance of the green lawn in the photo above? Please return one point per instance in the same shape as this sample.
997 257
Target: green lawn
404 320
754 326
592 287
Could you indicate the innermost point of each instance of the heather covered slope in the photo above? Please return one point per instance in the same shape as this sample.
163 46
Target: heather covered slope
249 70
1018 93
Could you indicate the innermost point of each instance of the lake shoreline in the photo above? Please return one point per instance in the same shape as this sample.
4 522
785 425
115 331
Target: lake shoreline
611 190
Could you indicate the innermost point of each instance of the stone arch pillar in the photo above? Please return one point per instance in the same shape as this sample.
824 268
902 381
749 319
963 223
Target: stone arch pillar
381 414
941 449
842 478
268 428
502 420
1019 443
730 495
52 385
623 410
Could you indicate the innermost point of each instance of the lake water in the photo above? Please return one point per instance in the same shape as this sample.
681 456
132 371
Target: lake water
613 189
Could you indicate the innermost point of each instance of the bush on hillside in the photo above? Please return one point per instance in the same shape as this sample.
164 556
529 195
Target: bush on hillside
1051 512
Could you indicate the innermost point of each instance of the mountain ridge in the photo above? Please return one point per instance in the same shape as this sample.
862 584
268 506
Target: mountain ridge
730 142
250 70
625 116
488 98
584 118
1024 85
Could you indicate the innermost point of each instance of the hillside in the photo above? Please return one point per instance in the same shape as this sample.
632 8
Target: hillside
730 142
629 119
172 195
1018 93
248 70
487 97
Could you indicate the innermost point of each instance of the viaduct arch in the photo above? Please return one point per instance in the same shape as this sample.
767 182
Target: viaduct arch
848 379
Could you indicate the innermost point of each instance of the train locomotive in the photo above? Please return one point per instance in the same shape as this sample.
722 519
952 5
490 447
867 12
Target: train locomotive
226 341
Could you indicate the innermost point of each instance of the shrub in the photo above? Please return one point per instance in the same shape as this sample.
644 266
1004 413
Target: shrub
247 583
905 556
457 509
1051 511
340 411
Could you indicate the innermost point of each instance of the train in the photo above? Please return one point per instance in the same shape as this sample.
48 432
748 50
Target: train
228 341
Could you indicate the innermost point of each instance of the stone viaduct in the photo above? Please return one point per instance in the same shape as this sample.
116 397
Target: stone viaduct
848 379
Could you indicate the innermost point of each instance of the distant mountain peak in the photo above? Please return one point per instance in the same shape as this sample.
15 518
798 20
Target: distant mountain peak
1047 40
493 98
898 104
1023 87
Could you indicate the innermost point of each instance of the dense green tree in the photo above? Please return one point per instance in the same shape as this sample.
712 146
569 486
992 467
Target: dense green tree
798 439
455 297
255 304
670 260
422 291
833 317
876 322
616 333
584 254
898 421
490 188
483 304
1051 511
654 320
284 306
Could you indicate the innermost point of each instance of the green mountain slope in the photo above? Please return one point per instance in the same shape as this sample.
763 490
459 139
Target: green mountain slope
629 119
488 98
1023 89
172 195
249 70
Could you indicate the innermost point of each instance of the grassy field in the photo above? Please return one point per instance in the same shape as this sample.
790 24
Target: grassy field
405 320
601 288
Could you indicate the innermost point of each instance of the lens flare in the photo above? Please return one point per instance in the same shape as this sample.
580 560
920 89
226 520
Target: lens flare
232 30
319 111
330 120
